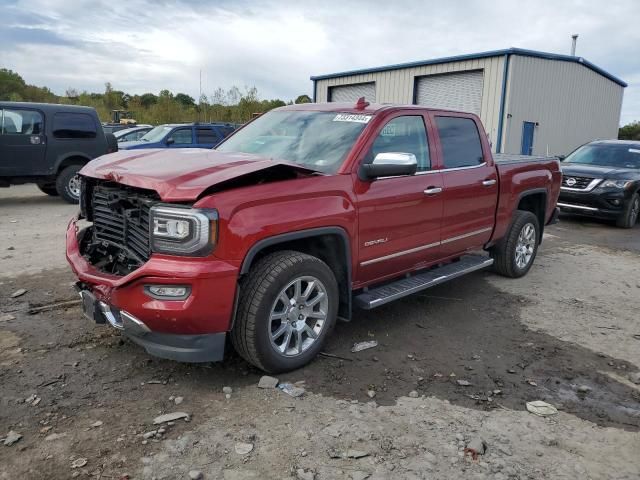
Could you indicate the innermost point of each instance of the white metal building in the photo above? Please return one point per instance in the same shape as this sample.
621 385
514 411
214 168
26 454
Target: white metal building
530 102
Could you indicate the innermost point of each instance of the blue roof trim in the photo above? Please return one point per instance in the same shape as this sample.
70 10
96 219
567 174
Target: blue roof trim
473 56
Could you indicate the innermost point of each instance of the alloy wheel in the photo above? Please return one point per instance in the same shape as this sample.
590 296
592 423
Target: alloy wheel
298 316
525 245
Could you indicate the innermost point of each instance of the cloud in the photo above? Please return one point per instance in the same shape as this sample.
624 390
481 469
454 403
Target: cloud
146 45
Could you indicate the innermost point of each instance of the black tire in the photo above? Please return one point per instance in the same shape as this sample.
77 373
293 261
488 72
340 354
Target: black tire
504 254
65 185
48 188
251 334
630 215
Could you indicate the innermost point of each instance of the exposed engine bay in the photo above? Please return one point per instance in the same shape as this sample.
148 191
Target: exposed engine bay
118 241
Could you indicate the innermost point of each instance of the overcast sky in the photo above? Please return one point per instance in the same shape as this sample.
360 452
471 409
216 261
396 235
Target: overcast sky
147 45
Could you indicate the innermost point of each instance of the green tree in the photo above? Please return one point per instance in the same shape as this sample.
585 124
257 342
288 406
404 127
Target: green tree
303 99
148 99
10 83
630 131
185 100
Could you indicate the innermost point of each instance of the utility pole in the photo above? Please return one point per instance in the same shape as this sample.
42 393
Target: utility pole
200 96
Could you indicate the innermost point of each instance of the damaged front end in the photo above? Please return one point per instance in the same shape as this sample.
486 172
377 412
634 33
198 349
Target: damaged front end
117 242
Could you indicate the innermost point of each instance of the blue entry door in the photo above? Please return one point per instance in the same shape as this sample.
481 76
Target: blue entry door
526 147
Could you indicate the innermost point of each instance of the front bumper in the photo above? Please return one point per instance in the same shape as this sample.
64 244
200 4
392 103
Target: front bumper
192 329
600 203
182 348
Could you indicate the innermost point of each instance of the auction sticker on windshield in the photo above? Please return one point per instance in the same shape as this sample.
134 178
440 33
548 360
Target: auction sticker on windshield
350 117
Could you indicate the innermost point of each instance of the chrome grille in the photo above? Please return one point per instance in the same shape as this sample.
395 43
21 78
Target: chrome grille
581 183
121 218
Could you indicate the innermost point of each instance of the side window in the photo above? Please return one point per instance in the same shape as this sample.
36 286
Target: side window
226 131
460 142
403 135
182 136
74 125
207 136
20 122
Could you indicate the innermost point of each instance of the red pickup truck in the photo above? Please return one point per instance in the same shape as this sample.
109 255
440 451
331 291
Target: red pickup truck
302 214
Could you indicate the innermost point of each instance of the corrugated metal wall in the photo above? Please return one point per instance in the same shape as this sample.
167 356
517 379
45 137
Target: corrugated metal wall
571 104
397 86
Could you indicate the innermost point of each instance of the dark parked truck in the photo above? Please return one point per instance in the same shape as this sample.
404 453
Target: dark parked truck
48 144
299 216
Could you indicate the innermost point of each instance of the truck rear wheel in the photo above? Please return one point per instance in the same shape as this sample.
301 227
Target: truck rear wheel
515 254
286 311
68 183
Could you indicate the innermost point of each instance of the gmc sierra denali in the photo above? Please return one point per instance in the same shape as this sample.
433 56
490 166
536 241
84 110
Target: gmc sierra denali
303 214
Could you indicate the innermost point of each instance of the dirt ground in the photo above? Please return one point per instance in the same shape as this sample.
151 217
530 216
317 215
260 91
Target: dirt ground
84 399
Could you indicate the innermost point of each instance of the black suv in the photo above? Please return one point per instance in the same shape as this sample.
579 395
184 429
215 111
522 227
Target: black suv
602 179
48 144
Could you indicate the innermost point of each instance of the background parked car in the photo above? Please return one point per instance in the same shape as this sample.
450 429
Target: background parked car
132 134
183 135
48 144
602 179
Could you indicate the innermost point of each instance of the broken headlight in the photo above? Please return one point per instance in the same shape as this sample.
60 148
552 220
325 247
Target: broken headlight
182 231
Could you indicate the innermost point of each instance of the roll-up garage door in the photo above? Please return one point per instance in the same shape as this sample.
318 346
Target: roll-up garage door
351 93
460 91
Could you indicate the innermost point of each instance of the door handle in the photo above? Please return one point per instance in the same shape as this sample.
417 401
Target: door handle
433 190
488 183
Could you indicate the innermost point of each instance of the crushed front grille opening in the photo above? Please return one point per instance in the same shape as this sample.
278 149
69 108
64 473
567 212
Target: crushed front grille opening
118 241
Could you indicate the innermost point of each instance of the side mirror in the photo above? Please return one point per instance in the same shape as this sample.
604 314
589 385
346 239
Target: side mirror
562 157
170 141
389 164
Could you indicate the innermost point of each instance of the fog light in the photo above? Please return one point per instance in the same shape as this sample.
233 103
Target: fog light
615 202
168 292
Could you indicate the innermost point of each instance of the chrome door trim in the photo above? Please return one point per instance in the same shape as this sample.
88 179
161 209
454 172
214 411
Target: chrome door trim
399 254
466 235
440 170
424 247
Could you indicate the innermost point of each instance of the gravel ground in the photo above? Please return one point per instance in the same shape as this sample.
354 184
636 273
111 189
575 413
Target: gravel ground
454 368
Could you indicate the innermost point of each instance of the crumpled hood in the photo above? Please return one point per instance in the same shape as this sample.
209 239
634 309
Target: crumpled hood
177 174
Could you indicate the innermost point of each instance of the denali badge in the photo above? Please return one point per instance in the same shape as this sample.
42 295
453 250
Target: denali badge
571 182
375 242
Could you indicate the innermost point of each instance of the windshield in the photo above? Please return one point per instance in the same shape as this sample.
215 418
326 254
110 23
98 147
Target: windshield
156 134
620 156
315 140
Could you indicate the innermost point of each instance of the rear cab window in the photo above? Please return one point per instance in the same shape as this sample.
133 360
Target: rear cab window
68 125
460 142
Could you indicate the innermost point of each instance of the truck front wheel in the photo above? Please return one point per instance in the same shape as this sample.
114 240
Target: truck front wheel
514 254
287 309
68 183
